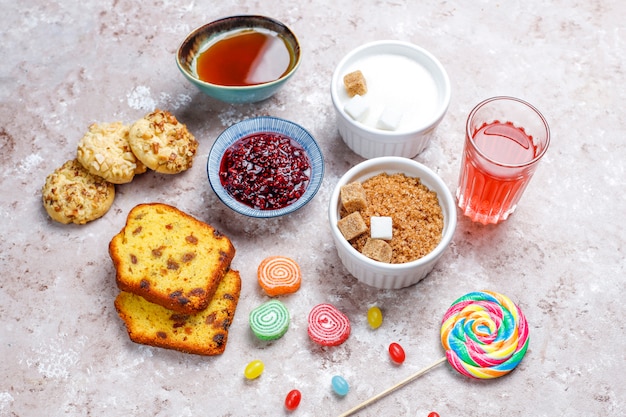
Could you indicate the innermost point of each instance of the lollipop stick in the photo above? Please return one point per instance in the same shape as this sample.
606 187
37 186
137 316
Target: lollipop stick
392 389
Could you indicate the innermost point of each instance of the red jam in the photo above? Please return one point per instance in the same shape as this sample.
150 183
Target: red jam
265 171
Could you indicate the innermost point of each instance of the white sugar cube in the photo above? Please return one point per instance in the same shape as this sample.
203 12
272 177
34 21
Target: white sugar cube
357 107
389 119
381 227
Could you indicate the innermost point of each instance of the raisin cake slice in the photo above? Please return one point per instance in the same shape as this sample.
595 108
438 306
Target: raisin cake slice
170 258
204 333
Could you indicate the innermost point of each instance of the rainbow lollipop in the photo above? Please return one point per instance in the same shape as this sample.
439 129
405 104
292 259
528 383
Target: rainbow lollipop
485 336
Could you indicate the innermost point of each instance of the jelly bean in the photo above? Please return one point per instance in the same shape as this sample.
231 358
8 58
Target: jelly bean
374 317
340 385
396 353
254 369
292 401
433 414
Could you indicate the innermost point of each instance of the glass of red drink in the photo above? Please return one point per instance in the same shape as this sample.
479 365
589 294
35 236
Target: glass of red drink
505 138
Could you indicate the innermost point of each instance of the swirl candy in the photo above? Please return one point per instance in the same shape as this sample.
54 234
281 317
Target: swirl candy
328 326
485 335
270 320
279 275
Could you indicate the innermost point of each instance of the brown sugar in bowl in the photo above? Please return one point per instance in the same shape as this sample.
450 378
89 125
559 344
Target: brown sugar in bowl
392 275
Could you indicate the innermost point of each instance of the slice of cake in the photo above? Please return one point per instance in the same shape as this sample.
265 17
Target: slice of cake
170 258
204 333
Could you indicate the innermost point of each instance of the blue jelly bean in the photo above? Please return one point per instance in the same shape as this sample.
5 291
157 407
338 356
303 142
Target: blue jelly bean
340 385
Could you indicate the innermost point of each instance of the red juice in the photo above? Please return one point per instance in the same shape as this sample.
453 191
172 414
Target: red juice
496 169
505 143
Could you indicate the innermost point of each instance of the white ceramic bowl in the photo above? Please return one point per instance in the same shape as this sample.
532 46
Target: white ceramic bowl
399 75
380 274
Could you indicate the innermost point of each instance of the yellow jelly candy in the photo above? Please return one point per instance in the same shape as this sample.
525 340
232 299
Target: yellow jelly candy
374 317
254 369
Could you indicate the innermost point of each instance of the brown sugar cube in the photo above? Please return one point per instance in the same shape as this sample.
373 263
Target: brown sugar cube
353 197
378 249
352 225
355 83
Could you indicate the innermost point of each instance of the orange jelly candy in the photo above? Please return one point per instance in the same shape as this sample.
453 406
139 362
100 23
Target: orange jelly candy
279 275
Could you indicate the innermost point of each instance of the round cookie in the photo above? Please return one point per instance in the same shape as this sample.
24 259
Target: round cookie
162 143
72 195
104 151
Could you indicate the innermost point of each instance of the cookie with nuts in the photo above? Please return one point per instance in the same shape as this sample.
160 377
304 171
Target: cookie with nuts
162 143
104 151
71 194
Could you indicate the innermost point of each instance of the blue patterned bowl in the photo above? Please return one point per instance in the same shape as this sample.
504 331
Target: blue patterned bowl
265 124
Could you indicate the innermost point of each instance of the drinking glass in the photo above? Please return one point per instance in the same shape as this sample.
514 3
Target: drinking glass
505 138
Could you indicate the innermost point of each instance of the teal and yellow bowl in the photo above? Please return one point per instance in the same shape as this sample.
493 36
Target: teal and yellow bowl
201 38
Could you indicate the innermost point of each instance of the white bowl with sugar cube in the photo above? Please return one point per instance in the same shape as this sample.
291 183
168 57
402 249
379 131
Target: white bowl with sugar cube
374 272
393 98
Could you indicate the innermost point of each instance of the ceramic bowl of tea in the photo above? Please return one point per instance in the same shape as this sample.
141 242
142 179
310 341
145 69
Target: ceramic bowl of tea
389 96
418 232
265 167
240 59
